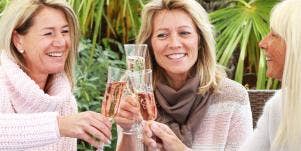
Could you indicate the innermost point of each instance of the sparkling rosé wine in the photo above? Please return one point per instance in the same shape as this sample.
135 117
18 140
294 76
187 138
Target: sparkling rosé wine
148 107
112 97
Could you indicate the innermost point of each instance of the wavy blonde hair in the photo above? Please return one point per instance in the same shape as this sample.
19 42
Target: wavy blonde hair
205 67
286 21
19 16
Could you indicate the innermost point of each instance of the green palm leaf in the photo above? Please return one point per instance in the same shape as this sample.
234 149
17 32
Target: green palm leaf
240 27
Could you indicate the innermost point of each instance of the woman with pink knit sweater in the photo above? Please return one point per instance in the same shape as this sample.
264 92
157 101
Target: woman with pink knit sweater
38 42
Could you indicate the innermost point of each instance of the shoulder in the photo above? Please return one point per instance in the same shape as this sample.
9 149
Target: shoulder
230 91
273 105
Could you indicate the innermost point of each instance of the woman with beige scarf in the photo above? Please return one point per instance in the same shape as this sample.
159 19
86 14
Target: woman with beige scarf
198 107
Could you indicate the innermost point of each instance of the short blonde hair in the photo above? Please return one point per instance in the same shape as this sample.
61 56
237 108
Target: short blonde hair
206 66
19 15
286 22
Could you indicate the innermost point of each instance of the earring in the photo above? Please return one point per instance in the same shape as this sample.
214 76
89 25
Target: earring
21 50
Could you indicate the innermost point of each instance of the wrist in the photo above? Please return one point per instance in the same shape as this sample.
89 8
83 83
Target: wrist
60 126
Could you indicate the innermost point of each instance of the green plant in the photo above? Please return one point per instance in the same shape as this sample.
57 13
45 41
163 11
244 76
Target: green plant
112 19
3 4
91 80
241 26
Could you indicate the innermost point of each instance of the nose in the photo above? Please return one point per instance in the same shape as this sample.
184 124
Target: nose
59 40
175 41
263 43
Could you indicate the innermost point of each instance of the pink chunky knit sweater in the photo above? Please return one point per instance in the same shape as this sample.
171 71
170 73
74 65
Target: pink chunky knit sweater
19 95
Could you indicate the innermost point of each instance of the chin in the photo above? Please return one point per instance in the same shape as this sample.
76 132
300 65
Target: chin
56 70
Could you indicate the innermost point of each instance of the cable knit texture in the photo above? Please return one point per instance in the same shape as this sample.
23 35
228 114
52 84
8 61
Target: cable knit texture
228 121
20 95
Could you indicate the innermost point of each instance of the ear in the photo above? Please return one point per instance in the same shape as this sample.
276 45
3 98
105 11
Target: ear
17 40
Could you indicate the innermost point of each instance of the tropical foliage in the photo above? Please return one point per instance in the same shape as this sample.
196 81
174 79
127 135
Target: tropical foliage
240 27
114 20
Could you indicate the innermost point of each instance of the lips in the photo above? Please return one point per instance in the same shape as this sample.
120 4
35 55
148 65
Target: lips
55 54
176 55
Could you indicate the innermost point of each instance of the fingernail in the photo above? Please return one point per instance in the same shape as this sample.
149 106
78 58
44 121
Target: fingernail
154 126
153 145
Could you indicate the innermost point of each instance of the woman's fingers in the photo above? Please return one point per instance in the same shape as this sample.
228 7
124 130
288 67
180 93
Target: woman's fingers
170 141
101 118
149 142
89 126
88 138
103 135
101 124
158 131
128 113
123 112
164 127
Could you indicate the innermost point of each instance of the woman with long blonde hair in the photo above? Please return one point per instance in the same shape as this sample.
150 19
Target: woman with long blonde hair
199 107
279 128
38 43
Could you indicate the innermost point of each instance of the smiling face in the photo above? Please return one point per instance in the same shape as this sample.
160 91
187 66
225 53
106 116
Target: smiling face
274 48
175 42
46 44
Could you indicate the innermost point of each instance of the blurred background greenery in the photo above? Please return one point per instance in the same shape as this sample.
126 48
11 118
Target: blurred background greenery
107 24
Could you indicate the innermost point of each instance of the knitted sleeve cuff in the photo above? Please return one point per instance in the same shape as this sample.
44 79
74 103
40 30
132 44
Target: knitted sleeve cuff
24 131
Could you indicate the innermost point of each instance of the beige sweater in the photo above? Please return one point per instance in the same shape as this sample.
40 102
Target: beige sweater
228 121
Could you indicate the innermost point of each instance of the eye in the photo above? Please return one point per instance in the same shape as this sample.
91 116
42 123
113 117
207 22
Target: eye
162 36
185 33
47 34
273 35
65 31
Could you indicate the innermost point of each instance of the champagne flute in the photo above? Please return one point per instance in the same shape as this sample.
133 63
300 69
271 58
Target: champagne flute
115 86
141 82
135 56
146 98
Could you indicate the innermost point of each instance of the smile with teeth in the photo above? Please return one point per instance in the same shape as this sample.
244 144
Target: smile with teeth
268 59
55 54
176 55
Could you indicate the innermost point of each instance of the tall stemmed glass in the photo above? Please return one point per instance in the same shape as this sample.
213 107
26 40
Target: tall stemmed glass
146 97
135 56
135 60
141 82
116 84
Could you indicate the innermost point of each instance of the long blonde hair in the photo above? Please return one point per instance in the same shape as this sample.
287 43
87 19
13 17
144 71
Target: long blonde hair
286 21
206 66
19 16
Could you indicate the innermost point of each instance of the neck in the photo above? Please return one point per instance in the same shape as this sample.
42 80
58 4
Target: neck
39 79
177 80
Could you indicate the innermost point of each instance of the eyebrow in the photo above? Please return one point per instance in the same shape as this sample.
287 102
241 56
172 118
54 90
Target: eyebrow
51 28
183 26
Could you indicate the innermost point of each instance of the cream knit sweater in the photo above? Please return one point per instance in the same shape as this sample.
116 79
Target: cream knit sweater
228 121
265 132
19 96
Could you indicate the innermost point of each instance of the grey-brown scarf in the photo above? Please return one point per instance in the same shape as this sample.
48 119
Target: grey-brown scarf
181 110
